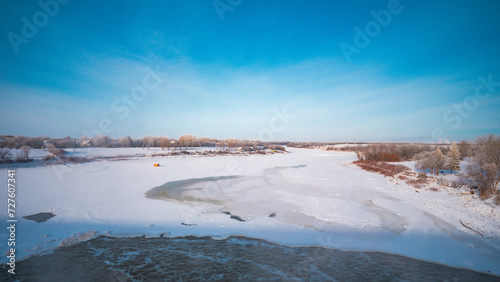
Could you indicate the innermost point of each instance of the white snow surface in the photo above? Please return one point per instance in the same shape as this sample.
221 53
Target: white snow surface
316 198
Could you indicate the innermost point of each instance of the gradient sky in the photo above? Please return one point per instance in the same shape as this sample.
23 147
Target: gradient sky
228 73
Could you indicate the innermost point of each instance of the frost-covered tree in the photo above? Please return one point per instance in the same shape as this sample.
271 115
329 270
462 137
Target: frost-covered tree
102 141
23 154
432 161
187 140
126 142
454 158
484 168
5 155
147 141
465 149
441 160
66 142
164 142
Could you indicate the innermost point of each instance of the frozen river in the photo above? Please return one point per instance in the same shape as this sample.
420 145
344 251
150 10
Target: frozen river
305 198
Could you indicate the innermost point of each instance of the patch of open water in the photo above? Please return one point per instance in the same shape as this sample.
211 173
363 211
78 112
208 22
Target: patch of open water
203 258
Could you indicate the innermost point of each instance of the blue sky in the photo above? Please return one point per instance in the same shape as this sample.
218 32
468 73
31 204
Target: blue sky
231 69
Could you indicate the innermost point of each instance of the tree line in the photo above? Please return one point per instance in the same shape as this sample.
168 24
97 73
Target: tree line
56 146
104 141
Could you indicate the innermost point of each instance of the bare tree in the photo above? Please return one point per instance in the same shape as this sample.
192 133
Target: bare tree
232 143
424 161
187 140
182 141
484 168
137 142
164 142
23 154
465 149
34 142
221 145
454 158
155 141
19 142
125 142
102 141
66 142
146 141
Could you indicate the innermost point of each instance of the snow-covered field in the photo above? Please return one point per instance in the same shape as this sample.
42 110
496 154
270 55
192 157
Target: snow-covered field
307 197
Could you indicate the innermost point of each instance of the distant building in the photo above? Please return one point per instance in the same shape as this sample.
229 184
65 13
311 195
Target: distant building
85 143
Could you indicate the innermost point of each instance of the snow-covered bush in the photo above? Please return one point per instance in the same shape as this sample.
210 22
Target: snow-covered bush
432 161
5 155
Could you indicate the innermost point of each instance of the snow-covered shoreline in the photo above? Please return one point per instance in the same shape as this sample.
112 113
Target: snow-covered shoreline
319 199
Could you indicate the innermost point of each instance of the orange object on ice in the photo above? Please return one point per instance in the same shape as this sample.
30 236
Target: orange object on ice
157 164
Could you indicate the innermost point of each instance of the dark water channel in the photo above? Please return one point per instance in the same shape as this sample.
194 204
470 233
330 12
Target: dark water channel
194 258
